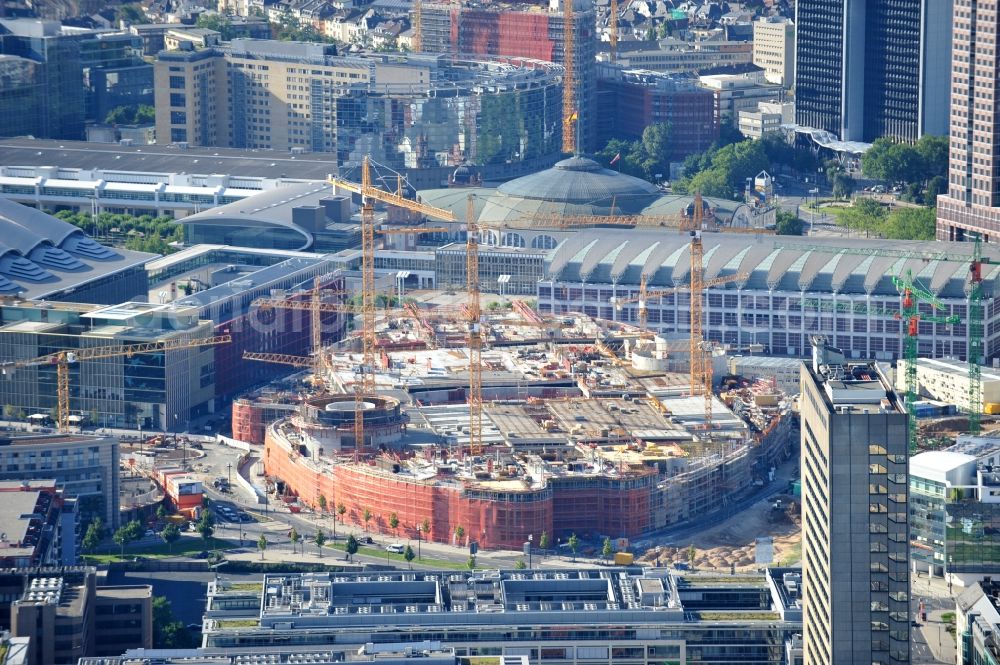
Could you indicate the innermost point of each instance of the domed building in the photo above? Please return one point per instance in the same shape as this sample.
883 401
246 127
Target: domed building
525 212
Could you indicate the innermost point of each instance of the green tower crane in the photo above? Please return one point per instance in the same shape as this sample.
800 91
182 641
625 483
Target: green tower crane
975 354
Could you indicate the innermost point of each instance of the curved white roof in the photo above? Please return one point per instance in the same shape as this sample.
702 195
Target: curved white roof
822 265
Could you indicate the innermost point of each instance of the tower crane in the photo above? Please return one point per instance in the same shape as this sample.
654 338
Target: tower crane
63 359
570 107
475 332
976 261
369 194
910 294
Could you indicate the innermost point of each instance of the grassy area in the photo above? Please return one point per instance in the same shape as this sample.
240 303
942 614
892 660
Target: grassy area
245 586
949 619
711 580
375 552
183 547
238 623
739 616
834 211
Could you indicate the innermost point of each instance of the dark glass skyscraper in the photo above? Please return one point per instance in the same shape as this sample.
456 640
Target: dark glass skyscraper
76 77
870 69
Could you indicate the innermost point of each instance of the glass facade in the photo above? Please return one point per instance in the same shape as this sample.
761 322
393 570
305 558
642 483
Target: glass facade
819 63
114 74
973 537
865 70
231 232
892 78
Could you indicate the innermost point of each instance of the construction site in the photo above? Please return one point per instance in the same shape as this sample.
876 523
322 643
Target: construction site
447 421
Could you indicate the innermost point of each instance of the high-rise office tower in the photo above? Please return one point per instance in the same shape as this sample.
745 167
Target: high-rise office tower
971 208
870 69
855 535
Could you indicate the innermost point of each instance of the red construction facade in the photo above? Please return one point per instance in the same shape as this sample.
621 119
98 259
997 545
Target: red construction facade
494 513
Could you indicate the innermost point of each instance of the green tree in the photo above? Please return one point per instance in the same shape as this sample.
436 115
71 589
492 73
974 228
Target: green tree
320 540
161 512
145 115
788 224
132 14
607 549
170 535
409 555
351 546
341 509
121 539
262 545
936 186
933 151
910 224
843 185
322 503
394 523
205 526
573 543
874 160
520 564
94 535
426 528
294 536
545 542
656 150
890 161
120 115
865 216
168 632
367 516
459 534
221 24
692 553
726 171
471 563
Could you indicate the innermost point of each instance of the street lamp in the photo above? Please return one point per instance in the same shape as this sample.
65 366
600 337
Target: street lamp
419 529
229 468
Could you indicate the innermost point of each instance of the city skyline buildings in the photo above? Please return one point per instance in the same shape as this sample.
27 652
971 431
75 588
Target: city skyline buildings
867 70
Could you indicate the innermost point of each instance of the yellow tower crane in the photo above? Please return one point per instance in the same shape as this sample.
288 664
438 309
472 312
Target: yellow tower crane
570 107
475 332
369 194
63 359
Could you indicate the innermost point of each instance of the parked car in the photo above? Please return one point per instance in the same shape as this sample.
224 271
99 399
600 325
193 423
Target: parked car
395 548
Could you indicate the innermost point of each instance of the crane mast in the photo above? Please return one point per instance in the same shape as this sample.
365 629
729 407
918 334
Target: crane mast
570 113
701 378
475 332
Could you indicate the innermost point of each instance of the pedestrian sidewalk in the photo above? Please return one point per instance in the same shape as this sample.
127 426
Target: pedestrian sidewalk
939 640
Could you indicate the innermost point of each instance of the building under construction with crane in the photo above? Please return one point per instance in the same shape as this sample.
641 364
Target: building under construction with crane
572 439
